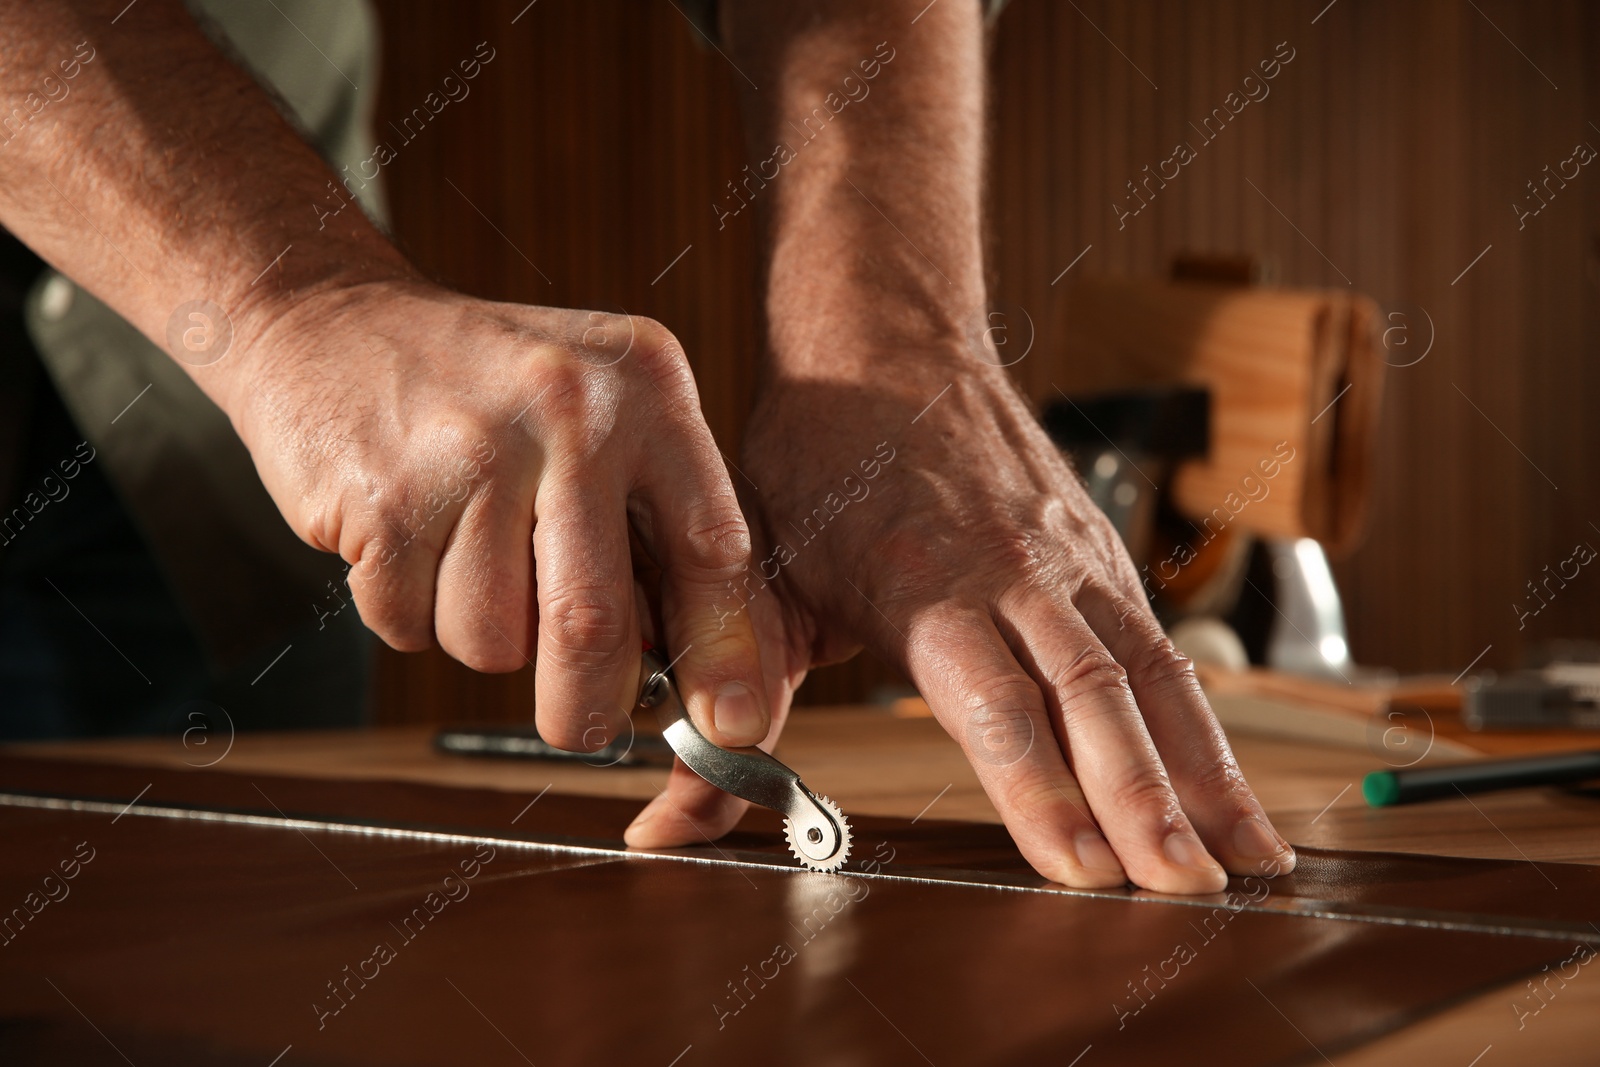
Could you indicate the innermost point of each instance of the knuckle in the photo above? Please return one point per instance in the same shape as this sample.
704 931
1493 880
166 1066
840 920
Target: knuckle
1039 802
1177 686
411 519
1165 674
608 337
1156 658
369 554
586 628
377 587
1007 718
393 620
1146 791
719 540
1000 727
1094 673
655 340
660 355
1015 550
1004 694
564 394
1221 777
574 409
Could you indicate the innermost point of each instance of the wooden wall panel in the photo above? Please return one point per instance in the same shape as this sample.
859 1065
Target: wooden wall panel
595 143
1393 145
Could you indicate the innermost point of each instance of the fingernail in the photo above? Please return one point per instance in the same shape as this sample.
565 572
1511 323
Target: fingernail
1185 849
1253 840
737 715
1094 854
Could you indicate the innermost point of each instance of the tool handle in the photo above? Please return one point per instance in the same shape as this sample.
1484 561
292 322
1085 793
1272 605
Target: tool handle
749 773
1383 788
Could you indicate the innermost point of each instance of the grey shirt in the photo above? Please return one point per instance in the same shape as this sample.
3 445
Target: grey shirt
241 573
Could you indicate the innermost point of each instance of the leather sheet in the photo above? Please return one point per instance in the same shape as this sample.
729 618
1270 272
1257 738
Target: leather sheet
185 940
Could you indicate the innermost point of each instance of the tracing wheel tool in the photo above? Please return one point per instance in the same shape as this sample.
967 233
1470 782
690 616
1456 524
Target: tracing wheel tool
818 833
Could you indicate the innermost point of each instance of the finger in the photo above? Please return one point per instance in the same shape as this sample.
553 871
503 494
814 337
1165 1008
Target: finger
483 606
394 559
646 589
1098 723
587 669
690 809
984 699
699 535
1194 749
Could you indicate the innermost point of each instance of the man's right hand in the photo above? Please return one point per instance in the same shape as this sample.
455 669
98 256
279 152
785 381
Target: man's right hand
479 466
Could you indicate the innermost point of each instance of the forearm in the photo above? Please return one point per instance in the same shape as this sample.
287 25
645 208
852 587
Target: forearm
875 128
160 173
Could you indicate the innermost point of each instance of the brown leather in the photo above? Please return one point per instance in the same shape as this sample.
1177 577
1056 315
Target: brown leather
204 942
1546 896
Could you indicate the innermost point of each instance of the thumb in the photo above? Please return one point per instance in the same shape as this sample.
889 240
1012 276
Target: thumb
690 809
718 660
702 543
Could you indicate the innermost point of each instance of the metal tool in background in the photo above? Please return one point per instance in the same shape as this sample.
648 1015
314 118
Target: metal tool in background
1127 445
818 833
1562 695
1308 635
524 742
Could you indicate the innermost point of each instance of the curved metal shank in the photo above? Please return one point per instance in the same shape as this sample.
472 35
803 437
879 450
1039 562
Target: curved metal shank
749 773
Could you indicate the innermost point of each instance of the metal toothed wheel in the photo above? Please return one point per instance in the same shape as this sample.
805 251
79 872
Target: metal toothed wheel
818 832
821 839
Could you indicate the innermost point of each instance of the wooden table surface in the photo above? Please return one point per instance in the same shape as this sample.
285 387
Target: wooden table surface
874 763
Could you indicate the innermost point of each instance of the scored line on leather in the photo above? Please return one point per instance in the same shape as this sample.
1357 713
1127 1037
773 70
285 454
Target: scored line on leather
1366 913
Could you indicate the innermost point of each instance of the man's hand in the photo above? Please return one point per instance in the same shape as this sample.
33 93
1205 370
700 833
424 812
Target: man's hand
479 465
974 561
924 511
930 518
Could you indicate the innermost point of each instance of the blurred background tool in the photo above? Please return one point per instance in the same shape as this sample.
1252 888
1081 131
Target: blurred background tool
641 749
1294 375
1383 788
1125 444
1558 695
1227 429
